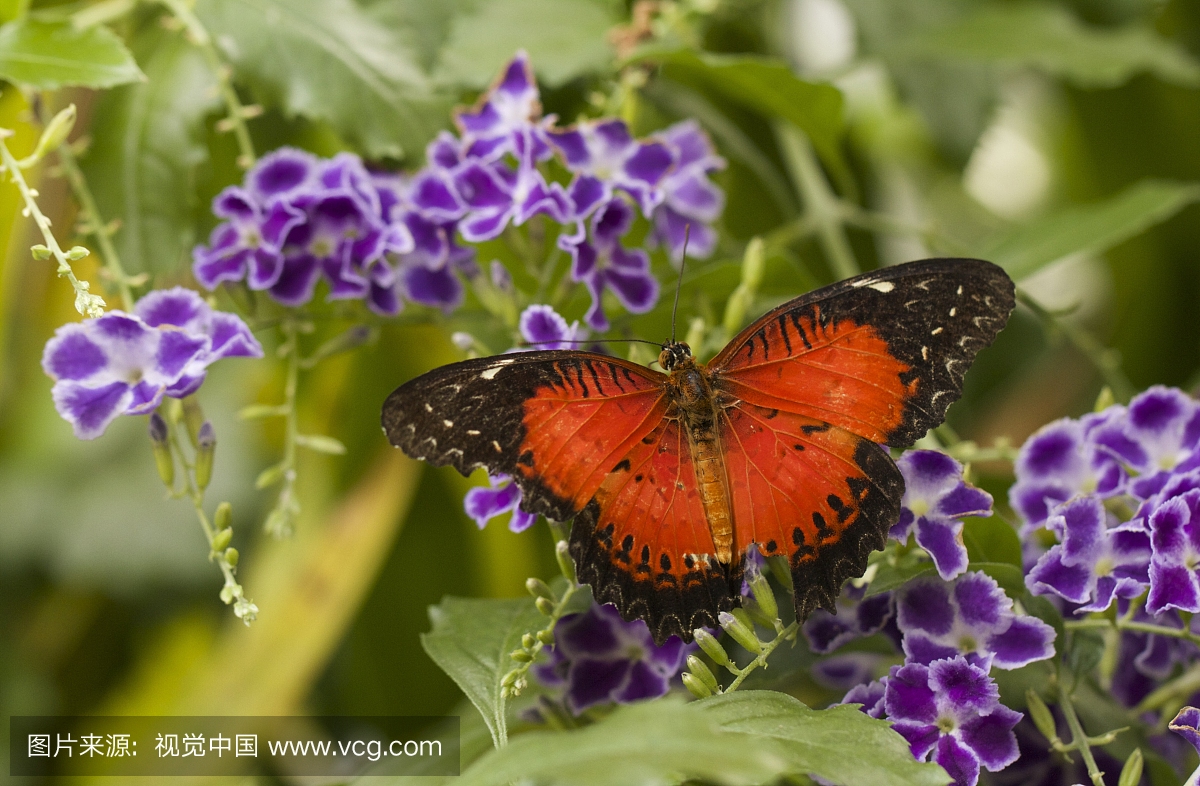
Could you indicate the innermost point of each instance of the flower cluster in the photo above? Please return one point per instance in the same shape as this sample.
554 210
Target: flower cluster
124 364
387 238
599 658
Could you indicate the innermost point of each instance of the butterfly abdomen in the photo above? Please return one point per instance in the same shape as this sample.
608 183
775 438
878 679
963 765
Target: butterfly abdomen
693 398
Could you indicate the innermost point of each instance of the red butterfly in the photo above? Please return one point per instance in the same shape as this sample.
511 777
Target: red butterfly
775 443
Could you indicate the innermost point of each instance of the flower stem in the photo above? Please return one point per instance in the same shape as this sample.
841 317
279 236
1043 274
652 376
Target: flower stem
86 303
1139 627
95 226
741 674
1079 739
820 202
237 113
280 520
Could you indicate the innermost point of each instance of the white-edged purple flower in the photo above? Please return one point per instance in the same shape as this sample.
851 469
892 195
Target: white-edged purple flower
604 156
856 616
1146 660
599 658
1175 542
248 246
543 327
970 616
690 199
950 712
1187 725
1097 560
483 503
1163 425
509 108
124 364
601 262
1069 457
936 499
870 695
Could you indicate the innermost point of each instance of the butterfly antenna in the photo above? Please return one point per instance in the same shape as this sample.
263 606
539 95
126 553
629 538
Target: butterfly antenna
687 231
592 341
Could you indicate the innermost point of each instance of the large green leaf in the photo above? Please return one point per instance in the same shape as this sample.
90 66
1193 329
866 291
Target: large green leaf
471 640
768 87
1049 38
330 60
49 55
1090 228
840 744
564 38
991 540
148 142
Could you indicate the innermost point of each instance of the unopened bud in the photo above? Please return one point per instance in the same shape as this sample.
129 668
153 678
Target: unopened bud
164 462
56 132
765 596
1131 773
231 556
1104 400
565 564
779 568
1041 716
701 671
545 637
696 686
740 630
221 539
756 615
528 641
223 517
754 263
510 678
206 447
712 648
539 589
77 253
521 656
40 251
545 605
193 419
501 278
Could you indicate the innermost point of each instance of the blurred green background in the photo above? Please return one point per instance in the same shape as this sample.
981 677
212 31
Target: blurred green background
1061 139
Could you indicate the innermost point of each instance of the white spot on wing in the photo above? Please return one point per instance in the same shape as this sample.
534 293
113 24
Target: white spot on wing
428 408
472 432
491 372
953 311
496 445
882 286
448 423
924 355
936 330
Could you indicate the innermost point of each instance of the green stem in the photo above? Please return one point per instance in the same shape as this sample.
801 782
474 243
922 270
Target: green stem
1138 627
95 226
1079 739
279 523
86 303
761 660
1106 360
820 203
237 112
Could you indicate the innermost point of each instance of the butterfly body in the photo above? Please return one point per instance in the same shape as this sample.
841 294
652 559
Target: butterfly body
775 445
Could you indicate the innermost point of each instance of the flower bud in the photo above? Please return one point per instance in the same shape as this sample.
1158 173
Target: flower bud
206 446
521 656
501 278
223 517
76 253
740 630
779 568
565 563
539 589
221 539
701 671
510 678
756 614
765 596
1041 716
163 460
545 605
193 418
231 556
1131 773
40 251
55 133
528 641
695 686
546 637
712 648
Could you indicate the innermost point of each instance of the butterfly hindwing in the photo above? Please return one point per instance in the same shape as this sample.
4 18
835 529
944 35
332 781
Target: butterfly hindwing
644 544
556 421
882 354
816 493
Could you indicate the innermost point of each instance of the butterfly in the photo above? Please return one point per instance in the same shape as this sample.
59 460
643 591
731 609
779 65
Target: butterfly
776 445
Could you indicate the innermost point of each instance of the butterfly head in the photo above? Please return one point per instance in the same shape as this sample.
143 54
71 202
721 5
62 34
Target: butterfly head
674 354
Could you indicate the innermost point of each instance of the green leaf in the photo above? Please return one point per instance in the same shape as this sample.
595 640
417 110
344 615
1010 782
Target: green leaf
889 577
50 55
1010 578
321 444
991 540
662 741
826 743
330 60
1049 38
148 141
768 87
564 38
1092 228
471 640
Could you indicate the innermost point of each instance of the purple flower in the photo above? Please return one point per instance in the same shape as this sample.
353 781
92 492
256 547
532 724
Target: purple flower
936 498
248 246
604 156
970 616
1175 540
505 112
542 325
501 496
1145 660
124 364
856 617
1069 457
950 712
870 695
496 193
690 198
1187 725
1096 561
848 670
600 658
601 262
1164 427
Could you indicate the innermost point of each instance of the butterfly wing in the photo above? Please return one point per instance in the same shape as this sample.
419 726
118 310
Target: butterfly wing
811 387
881 355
